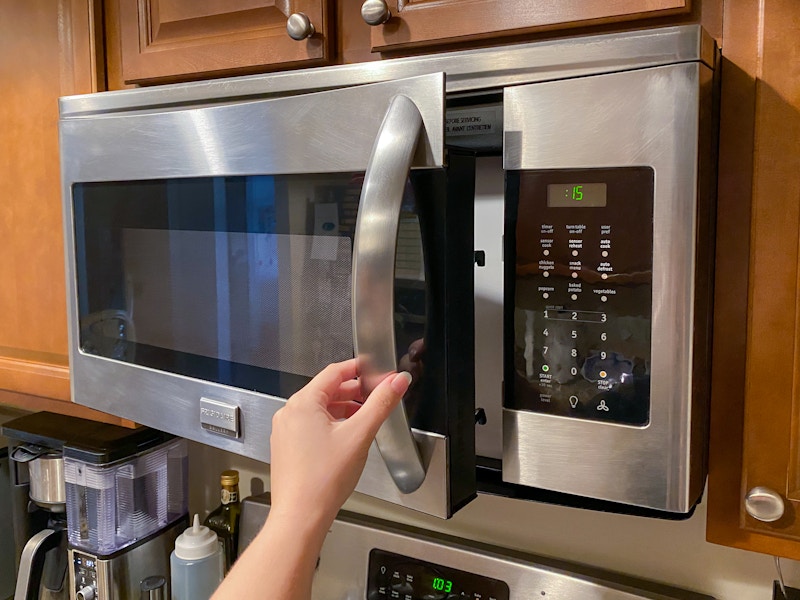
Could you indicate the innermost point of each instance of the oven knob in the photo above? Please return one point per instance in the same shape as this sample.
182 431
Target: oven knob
764 504
86 593
299 26
375 12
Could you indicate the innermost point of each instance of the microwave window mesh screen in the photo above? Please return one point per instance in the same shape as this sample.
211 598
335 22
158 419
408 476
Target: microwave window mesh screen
294 319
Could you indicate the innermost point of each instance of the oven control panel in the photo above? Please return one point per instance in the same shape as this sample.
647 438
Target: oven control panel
398 577
579 293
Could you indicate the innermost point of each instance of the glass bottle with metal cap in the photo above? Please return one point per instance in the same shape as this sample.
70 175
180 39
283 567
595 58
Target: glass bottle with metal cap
224 520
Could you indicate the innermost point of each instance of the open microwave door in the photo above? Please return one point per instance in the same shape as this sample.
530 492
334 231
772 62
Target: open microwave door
193 229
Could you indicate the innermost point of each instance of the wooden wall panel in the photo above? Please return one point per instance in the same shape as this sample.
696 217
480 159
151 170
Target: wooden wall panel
49 51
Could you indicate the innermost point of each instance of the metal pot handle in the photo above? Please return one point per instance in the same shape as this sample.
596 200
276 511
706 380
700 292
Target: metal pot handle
25 453
31 563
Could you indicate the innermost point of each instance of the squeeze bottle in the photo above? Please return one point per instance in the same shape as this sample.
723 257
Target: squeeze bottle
196 564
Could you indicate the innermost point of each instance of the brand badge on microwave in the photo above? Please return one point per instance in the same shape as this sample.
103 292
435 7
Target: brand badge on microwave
219 417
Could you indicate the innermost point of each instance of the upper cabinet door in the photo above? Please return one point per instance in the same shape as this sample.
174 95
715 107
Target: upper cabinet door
171 40
754 462
430 22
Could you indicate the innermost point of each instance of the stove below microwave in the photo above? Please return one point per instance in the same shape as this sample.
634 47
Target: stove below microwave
527 229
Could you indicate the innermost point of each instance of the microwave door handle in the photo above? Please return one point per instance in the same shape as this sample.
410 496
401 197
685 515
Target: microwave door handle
373 280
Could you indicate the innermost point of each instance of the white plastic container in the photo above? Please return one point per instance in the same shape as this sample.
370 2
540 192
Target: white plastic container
197 565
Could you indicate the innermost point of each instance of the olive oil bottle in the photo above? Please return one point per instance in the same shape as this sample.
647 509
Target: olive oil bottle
224 520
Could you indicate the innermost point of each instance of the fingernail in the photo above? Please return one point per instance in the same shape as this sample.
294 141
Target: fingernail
401 382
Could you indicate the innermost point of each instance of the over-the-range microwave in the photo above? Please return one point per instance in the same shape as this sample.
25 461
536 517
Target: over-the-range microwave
527 229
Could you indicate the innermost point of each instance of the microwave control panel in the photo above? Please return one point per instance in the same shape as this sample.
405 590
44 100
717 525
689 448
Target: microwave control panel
579 275
397 577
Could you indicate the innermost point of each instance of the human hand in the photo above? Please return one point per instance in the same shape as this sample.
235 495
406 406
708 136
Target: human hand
317 458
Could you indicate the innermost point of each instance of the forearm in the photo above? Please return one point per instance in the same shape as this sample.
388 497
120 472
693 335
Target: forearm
279 563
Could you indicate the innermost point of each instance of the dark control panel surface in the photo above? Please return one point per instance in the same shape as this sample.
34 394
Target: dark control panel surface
84 568
393 576
579 280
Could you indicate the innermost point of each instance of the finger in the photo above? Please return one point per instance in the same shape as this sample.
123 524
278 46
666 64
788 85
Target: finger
324 387
343 410
348 390
380 403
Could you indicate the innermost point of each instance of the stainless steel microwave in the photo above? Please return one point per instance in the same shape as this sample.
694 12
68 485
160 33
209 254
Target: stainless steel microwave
527 229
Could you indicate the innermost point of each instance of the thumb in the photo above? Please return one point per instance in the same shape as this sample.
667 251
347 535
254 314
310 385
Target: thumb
380 403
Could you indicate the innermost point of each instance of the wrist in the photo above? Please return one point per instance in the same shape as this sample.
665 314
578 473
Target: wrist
309 524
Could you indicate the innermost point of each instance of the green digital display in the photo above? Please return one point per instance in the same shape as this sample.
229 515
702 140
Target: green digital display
442 585
576 194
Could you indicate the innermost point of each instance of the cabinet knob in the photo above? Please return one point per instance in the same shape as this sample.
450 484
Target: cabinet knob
375 12
764 504
299 26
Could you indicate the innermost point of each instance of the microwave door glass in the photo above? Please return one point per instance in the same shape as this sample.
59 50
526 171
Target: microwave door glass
243 281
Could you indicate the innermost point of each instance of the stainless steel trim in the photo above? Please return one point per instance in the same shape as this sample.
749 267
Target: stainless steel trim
374 252
489 68
344 561
119 576
432 496
646 117
278 136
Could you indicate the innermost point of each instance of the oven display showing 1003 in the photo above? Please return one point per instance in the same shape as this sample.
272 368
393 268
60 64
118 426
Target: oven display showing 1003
405 578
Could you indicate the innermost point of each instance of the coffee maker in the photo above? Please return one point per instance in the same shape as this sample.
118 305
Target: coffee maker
126 505
96 507
38 506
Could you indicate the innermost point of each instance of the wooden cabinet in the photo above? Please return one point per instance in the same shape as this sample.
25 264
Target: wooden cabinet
755 429
47 53
163 40
433 22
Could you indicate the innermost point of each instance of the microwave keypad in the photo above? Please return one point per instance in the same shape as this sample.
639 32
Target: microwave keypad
582 294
